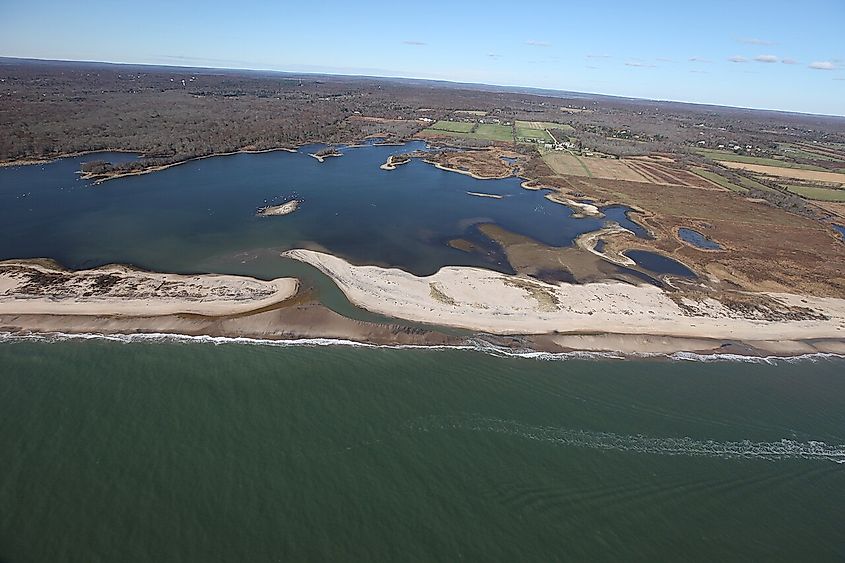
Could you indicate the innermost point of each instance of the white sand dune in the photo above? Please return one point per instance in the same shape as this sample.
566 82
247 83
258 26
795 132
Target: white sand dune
487 301
29 287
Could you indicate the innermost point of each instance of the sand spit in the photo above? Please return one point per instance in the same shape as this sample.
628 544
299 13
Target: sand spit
491 302
277 210
589 242
393 161
480 194
42 287
581 209
323 157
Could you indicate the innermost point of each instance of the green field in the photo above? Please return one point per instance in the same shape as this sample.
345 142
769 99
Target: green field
819 194
544 125
493 132
453 126
524 133
733 157
721 180
798 152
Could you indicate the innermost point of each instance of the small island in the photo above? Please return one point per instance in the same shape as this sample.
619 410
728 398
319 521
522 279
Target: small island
323 154
276 210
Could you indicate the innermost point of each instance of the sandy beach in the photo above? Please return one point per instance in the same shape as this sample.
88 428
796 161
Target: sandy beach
41 287
491 302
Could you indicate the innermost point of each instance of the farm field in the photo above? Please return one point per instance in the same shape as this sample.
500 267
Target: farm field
454 126
525 133
543 125
817 193
475 112
798 151
726 156
720 180
787 172
493 132
565 163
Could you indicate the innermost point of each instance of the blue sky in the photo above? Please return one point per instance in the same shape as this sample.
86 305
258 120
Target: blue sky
783 55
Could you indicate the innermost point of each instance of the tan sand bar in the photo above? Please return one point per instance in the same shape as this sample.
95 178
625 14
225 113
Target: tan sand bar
42 287
488 301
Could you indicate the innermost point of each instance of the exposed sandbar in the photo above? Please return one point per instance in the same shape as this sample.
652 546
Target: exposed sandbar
278 210
42 287
481 194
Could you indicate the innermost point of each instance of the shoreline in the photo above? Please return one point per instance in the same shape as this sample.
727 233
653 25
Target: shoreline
99 178
494 303
626 347
217 306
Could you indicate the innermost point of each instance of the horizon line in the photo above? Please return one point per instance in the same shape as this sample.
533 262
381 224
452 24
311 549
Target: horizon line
422 79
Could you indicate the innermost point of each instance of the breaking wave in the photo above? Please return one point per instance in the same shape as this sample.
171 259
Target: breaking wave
476 345
638 443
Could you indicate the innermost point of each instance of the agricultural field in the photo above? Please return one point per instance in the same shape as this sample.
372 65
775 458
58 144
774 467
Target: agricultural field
543 125
475 112
727 156
720 180
817 193
493 132
565 163
798 151
788 172
453 126
527 134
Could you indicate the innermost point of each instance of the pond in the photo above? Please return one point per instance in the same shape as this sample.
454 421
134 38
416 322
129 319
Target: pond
697 239
658 263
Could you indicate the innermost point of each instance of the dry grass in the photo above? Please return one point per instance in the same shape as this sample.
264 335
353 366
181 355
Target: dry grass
766 248
783 172
562 162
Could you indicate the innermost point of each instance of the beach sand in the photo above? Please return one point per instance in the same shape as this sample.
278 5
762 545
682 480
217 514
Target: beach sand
491 302
42 287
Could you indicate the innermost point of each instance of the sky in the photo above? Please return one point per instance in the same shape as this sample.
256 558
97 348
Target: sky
775 54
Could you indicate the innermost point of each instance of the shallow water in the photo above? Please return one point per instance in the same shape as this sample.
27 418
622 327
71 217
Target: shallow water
200 216
658 263
697 239
196 452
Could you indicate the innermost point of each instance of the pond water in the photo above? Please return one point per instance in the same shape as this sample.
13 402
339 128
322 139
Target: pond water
621 215
658 263
840 229
697 239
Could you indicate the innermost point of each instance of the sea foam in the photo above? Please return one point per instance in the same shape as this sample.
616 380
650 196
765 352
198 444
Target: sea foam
475 345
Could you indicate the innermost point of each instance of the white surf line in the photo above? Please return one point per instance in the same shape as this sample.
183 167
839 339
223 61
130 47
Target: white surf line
472 345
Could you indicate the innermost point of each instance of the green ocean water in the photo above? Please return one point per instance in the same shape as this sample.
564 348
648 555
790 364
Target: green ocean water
163 451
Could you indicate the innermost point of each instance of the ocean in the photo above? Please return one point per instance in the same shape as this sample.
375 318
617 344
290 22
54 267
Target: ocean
168 449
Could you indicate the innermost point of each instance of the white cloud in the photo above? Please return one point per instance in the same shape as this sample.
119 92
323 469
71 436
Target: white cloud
822 65
766 59
415 43
699 60
638 64
494 56
535 43
596 56
789 62
738 59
